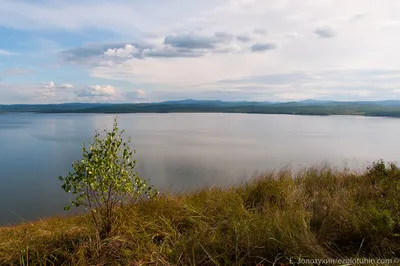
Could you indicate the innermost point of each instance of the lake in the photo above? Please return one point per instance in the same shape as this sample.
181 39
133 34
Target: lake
179 151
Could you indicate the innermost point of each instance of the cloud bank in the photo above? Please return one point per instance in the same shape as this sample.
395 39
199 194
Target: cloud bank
220 49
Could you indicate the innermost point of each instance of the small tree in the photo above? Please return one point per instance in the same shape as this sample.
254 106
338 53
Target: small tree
105 178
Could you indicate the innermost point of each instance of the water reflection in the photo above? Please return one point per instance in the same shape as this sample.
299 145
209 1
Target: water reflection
179 151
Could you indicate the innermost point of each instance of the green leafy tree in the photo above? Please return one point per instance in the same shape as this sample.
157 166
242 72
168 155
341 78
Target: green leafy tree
105 178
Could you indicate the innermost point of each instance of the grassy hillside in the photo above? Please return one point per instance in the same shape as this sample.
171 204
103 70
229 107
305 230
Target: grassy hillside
321 213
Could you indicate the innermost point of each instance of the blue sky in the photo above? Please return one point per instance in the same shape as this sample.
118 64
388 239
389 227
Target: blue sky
54 51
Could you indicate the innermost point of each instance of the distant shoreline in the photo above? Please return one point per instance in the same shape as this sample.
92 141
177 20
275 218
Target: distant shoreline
311 107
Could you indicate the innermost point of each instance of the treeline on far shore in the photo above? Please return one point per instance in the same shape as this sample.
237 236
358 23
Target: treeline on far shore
308 107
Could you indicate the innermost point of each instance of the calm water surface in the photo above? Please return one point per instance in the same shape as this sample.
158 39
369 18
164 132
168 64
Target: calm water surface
179 151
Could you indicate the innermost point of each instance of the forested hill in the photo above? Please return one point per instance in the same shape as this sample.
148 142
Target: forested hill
307 107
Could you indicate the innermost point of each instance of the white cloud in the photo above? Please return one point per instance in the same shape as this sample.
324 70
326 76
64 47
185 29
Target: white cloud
126 52
194 45
49 85
43 93
97 91
46 91
66 86
292 26
5 52
183 72
108 93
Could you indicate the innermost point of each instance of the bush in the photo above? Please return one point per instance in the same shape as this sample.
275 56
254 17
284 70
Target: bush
105 178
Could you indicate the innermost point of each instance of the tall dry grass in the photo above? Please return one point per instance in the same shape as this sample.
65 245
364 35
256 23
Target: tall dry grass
318 212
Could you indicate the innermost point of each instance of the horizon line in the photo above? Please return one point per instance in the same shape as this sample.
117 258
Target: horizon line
208 100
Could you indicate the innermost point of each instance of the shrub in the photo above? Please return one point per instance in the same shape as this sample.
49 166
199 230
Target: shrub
105 178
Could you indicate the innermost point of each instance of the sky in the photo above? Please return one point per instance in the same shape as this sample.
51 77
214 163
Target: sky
55 51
